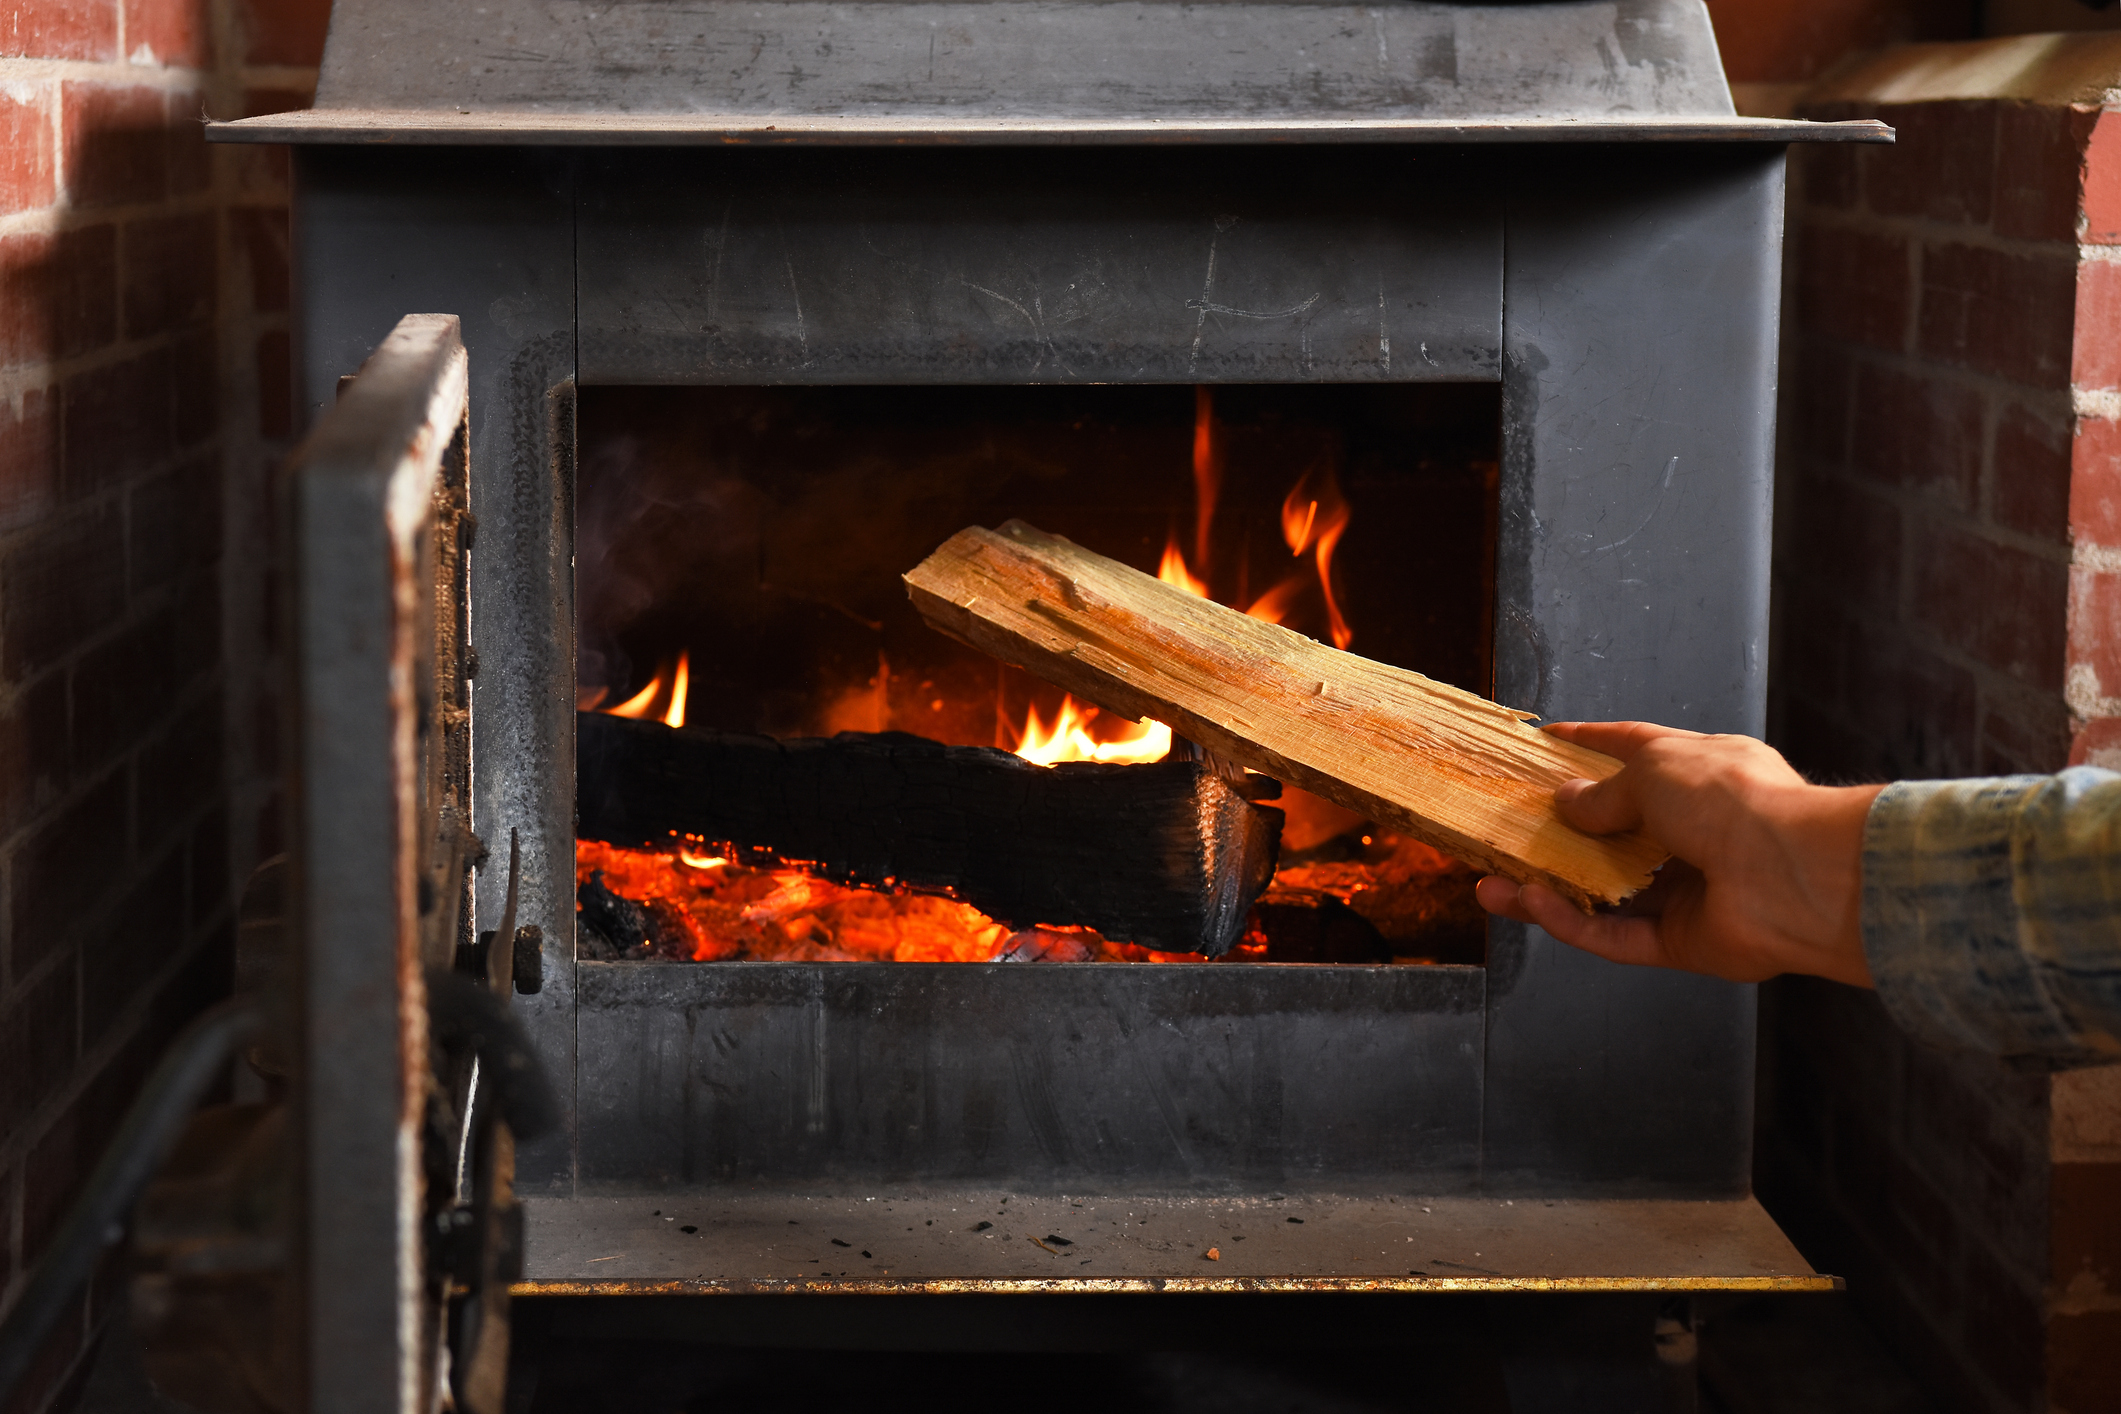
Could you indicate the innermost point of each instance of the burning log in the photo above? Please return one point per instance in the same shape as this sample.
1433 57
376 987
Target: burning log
1168 855
1453 770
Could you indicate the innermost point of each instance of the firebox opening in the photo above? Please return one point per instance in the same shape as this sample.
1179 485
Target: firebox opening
738 553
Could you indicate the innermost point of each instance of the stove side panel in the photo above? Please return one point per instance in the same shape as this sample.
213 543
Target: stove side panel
1640 316
488 236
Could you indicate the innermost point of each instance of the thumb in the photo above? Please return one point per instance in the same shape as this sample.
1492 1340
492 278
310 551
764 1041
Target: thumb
1600 807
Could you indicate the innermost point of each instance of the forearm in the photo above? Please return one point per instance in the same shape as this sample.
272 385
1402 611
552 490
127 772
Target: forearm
1990 911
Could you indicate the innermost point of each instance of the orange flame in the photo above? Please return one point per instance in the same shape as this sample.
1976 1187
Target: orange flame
681 682
637 705
1273 606
1069 738
1207 473
1173 570
640 704
1314 518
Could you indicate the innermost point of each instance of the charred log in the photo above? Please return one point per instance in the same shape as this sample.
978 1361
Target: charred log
1169 856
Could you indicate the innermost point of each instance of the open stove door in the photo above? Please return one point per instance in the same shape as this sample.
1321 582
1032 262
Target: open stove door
407 1221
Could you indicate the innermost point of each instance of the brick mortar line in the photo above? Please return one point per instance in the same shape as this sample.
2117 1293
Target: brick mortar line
102 498
1928 231
183 700
122 1029
22 986
20 378
2052 401
1917 503
109 72
63 216
168 77
1916 635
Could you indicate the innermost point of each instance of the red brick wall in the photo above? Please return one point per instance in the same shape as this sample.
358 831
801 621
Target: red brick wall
1948 605
143 397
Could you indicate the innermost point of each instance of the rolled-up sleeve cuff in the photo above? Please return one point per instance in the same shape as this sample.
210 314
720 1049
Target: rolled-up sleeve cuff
1989 912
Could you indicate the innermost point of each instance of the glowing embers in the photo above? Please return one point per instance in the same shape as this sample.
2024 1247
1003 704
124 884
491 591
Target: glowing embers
699 904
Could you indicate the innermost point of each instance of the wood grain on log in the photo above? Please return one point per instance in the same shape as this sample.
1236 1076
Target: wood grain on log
1168 856
1443 765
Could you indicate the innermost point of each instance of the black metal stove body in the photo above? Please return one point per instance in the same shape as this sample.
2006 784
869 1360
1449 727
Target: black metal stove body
1567 209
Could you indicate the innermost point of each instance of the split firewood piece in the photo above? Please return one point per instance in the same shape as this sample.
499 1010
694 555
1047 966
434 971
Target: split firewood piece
1449 768
1169 856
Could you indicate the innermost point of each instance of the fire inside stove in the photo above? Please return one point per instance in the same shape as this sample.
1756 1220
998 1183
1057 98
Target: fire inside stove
738 557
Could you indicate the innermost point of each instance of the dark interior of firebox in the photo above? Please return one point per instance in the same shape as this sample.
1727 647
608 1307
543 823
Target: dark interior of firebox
738 554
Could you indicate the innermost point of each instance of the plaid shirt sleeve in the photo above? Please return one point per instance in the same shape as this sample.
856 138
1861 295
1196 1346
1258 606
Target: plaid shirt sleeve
1992 912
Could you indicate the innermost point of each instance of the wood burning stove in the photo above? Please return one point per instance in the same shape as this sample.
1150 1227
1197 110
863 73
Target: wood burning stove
1087 223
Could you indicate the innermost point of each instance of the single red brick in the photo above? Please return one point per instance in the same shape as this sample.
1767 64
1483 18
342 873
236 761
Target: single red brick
1844 542
181 771
116 144
2096 360
60 29
2030 473
173 525
195 388
2095 483
36 757
284 32
59 584
2095 627
2097 744
38 1045
61 294
63 871
123 689
2039 167
25 319
1919 432
29 458
1942 164
276 386
170 273
85 297
2005 607
26 181
2002 314
118 422
260 234
178 36
2102 181
1855 285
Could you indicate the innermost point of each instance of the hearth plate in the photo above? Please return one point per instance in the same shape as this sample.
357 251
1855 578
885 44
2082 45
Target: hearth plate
931 1241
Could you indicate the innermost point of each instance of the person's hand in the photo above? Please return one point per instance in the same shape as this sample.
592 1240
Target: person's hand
1766 873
